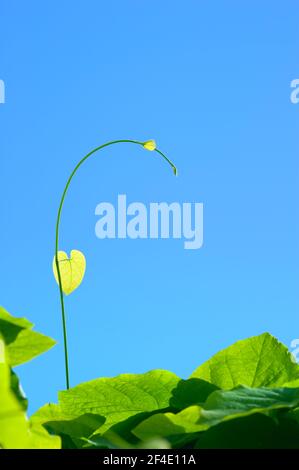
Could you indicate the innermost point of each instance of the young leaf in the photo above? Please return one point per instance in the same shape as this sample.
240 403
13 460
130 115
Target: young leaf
150 145
72 270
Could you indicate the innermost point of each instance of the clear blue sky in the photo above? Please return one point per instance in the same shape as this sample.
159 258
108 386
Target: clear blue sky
210 81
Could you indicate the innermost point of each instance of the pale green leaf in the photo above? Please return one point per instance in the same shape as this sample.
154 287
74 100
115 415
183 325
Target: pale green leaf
72 270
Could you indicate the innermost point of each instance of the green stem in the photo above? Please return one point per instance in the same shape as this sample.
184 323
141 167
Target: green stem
57 237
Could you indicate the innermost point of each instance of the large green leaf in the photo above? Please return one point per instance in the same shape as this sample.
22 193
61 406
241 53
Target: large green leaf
259 361
220 406
23 344
15 430
121 397
13 423
186 393
118 404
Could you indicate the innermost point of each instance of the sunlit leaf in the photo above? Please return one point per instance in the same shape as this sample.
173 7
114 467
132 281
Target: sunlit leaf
72 270
259 361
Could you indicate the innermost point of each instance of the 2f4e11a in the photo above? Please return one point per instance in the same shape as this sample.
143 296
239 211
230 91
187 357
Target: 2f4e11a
171 459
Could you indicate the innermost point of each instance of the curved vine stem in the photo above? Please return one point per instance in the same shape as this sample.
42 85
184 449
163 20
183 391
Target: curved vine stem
57 235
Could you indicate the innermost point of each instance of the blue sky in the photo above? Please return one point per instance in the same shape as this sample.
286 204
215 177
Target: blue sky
210 81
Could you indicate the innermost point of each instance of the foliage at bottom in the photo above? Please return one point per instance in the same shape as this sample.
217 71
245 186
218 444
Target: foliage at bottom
245 396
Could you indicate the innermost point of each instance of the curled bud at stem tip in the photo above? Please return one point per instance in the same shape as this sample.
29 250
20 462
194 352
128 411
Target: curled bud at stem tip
150 145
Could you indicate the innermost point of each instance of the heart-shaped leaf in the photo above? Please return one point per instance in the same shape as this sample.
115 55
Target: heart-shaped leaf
72 270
